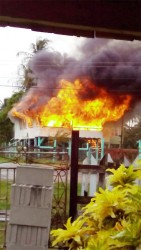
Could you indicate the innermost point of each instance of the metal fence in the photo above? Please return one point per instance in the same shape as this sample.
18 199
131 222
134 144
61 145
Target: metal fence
84 180
59 203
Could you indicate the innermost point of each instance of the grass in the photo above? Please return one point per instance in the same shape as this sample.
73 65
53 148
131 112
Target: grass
2 234
5 188
17 158
3 159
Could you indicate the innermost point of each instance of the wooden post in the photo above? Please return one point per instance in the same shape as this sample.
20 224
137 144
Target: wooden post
74 174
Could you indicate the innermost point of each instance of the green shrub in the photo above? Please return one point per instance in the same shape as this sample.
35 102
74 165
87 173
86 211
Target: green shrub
112 219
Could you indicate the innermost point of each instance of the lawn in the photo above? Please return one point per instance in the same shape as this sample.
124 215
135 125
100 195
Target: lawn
3 159
5 188
2 234
4 206
20 158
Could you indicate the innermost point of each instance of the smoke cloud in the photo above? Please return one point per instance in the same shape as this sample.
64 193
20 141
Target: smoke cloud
114 65
111 64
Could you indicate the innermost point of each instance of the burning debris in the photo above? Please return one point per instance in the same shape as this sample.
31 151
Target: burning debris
83 93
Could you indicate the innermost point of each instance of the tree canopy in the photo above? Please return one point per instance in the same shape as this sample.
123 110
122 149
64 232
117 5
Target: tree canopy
6 126
25 82
28 79
132 135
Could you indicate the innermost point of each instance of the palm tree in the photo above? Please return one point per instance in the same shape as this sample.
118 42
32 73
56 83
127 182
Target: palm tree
39 45
28 79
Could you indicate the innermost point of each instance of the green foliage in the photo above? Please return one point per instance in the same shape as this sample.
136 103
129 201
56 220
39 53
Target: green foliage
27 77
123 176
6 126
132 135
112 219
5 189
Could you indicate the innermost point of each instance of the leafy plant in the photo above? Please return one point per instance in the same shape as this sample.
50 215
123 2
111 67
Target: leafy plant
112 219
6 126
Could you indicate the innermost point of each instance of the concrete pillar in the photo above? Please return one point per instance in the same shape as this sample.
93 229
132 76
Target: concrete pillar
102 148
35 142
89 178
30 214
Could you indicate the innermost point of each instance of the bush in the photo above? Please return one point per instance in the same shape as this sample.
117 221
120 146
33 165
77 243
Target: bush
112 219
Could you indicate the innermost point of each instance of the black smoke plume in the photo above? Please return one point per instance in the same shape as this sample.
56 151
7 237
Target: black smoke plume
111 64
114 65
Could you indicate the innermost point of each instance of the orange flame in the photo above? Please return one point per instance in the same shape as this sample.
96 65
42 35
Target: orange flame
69 109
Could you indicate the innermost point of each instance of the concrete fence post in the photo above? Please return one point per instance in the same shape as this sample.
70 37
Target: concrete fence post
30 213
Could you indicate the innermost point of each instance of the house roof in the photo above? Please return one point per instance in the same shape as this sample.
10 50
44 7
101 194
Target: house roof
88 18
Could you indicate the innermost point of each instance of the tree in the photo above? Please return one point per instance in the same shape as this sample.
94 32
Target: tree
6 126
28 79
132 134
131 128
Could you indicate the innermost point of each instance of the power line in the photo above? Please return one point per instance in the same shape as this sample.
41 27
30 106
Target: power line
125 91
94 64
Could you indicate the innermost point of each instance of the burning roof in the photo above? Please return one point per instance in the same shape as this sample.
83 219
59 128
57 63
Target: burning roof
84 92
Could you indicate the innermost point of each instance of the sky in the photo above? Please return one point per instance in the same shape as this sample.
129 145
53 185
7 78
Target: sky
14 40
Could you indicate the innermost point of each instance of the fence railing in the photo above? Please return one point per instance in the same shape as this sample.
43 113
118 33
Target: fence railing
59 203
81 185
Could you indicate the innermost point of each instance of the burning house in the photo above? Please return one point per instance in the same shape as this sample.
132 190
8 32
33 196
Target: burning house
82 93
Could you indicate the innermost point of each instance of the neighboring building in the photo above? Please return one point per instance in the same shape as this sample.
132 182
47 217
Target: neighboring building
113 135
